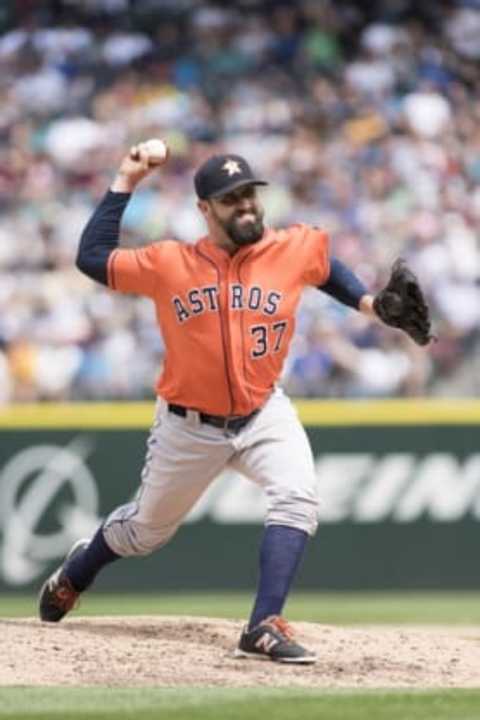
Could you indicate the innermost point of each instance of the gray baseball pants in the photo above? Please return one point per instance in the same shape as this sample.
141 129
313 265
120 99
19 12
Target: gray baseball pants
185 455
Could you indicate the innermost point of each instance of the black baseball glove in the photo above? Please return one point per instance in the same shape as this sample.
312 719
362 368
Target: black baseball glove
401 304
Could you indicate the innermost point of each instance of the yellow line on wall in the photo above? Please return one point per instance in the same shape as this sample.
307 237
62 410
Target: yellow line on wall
334 413
389 412
77 415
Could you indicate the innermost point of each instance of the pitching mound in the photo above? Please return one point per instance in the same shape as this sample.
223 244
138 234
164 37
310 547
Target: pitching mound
171 651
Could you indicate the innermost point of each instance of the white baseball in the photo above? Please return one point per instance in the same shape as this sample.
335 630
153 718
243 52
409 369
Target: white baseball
156 151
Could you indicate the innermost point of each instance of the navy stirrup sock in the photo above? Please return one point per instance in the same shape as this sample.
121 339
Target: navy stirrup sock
82 569
280 554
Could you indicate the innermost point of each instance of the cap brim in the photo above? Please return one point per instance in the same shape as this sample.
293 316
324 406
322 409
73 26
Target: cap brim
235 185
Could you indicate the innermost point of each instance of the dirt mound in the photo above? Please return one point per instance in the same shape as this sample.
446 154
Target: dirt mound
172 651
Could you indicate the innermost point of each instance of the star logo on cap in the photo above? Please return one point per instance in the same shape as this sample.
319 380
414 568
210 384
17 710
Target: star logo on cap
232 167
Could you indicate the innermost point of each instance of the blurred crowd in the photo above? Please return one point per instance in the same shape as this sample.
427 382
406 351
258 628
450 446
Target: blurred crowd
366 122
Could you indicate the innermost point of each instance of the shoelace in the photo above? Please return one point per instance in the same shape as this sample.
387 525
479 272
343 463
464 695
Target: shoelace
280 624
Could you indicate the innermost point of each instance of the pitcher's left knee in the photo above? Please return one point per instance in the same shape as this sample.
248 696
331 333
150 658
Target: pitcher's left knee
295 508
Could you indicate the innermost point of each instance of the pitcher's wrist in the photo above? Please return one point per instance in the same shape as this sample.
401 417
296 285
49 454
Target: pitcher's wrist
123 183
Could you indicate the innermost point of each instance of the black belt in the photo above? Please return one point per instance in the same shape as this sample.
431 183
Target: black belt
234 423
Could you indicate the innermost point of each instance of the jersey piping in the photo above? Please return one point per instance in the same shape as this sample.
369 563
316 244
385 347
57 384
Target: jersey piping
222 330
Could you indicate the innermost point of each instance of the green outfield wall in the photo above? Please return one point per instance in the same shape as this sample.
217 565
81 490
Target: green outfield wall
399 481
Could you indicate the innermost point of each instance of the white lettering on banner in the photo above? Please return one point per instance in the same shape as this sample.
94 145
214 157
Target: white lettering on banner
340 477
231 498
390 475
244 502
364 487
442 489
30 482
51 484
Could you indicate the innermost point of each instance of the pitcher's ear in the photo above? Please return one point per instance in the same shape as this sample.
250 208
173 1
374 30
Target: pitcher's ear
204 207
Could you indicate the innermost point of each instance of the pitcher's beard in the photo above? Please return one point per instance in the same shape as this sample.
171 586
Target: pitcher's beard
245 233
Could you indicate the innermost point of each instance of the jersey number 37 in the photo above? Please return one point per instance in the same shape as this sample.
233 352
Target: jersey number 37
268 338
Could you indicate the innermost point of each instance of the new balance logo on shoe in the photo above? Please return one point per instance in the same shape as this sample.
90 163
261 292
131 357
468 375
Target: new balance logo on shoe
272 639
266 643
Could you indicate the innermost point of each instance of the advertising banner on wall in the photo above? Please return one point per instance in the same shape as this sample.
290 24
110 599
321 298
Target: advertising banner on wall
399 484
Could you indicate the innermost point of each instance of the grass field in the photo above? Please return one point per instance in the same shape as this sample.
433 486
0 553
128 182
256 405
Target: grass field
455 608
216 704
249 704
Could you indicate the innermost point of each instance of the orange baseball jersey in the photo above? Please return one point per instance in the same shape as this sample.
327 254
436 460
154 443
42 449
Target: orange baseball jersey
227 321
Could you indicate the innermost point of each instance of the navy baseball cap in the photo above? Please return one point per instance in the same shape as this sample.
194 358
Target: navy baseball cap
221 174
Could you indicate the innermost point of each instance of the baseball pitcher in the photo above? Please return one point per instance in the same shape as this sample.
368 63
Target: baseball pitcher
226 309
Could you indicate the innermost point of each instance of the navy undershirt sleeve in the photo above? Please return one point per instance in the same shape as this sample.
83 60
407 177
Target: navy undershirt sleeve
343 284
101 236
